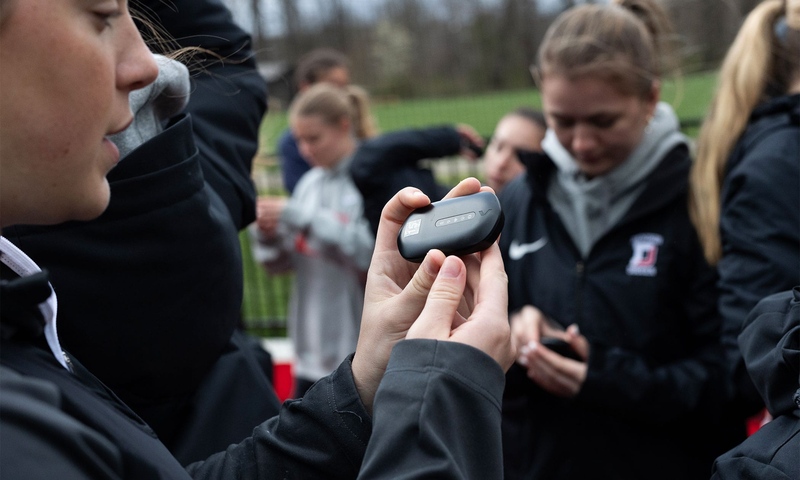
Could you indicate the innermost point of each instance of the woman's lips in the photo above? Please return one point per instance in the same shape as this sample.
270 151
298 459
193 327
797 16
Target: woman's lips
112 149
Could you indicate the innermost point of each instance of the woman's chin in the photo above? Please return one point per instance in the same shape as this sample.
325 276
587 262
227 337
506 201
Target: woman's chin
95 205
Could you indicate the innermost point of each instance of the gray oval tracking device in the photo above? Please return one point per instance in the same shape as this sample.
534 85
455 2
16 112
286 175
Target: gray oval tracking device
456 226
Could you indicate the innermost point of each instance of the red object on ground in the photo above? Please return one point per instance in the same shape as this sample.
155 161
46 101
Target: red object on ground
284 381
282 360
757 421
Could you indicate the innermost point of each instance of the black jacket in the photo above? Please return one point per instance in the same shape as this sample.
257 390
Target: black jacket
759 224
770 344
60 424
656 364
150 292
386 164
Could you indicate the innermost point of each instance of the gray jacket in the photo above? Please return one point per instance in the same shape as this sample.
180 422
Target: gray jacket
324 237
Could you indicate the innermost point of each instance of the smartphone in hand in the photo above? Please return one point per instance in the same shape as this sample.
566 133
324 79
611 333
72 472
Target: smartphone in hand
561 347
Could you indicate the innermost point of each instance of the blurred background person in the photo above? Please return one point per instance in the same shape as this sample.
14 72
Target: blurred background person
521 130
319 65
320 232
393 160
397 159
746 177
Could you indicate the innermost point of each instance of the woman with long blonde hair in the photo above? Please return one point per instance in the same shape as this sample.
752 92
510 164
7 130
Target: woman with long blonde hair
745 184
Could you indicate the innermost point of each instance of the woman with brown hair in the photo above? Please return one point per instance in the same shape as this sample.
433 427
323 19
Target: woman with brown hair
601 254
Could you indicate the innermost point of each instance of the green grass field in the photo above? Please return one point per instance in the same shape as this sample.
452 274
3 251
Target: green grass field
265 298
689 97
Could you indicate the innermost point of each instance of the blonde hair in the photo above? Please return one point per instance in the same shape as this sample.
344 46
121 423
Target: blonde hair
333 104
622 43
756 66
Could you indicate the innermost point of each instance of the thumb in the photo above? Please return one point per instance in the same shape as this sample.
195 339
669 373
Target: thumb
415 294
441 307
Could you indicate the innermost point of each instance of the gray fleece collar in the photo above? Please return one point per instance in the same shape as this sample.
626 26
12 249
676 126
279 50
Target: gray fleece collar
590 207
157 102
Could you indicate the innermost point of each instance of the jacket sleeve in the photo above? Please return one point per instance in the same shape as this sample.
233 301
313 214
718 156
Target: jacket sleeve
34 427
626 383
384 165
768 454
437 414
322 435
228 98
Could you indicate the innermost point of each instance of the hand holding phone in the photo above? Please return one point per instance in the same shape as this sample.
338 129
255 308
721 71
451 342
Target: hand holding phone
561 347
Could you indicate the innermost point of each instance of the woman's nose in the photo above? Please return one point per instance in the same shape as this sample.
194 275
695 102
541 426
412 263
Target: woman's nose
137 67
583 139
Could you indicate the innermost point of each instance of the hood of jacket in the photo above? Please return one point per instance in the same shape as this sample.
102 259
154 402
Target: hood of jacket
770 345
589 207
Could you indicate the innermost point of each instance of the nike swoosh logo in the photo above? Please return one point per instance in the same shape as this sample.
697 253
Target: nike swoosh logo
519 250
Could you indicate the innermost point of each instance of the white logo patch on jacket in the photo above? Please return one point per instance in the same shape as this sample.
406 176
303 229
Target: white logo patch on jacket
518 250
645 253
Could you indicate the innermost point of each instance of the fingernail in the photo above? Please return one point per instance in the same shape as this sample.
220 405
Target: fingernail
533 345
523 361
574 329
451 268
431 267
524 350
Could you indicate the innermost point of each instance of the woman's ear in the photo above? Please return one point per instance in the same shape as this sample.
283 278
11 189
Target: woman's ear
344 125
653 97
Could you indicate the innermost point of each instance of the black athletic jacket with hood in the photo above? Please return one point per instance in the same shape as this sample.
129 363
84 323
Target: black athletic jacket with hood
770 344
646 300
759 224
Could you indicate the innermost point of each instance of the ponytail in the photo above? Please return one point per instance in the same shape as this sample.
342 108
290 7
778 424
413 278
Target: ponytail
332 104
363 122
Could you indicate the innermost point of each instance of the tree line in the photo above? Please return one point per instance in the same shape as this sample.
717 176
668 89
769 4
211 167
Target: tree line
415 48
